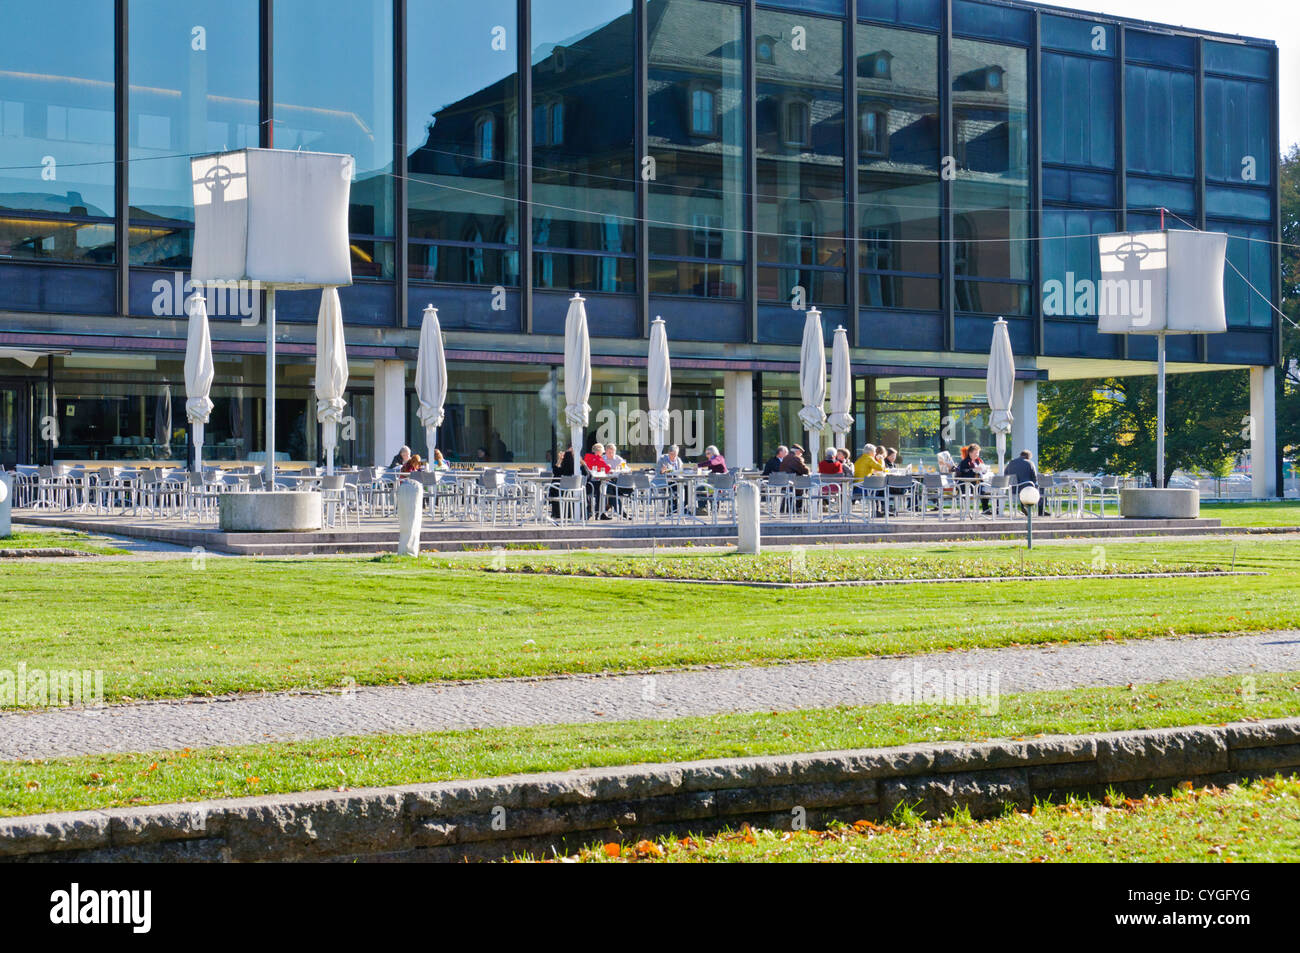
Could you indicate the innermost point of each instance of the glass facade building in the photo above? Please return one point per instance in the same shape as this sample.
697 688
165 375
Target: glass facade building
912 168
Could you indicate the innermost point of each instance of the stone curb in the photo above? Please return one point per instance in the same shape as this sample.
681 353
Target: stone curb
490 818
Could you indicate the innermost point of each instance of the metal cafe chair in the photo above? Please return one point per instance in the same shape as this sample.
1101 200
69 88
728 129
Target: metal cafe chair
571 495
720 492
776 493
901 492
874 494
337 501
1001 494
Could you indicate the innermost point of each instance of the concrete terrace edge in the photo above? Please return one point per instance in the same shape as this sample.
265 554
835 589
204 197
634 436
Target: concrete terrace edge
493 818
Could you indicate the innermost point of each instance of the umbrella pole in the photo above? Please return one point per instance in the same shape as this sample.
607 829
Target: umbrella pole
814 451
269 469
1002 450
197 430
1160 410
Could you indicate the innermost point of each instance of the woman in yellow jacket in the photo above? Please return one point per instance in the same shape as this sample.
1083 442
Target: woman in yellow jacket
867 464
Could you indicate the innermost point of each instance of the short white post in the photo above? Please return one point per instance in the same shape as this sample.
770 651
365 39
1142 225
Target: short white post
410 516
747 531
6 504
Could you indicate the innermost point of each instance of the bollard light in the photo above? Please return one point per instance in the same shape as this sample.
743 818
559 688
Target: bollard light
1029 498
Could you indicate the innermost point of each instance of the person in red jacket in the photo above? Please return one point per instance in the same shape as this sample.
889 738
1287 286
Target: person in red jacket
595 459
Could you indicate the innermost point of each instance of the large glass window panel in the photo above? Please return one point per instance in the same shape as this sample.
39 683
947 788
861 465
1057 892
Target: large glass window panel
1146 193
1077 36
1248 275
1238 131
462 129
56 130
984 19
1160 49
194 89
898 166
1238 60
991 141
696 129
923 13
1239 203
1078 111
1160 121
584 166
1069 257
334 93
799 124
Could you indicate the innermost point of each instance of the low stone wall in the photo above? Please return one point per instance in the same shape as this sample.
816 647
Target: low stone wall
497 817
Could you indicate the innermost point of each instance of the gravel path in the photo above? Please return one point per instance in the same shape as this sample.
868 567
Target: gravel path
578 698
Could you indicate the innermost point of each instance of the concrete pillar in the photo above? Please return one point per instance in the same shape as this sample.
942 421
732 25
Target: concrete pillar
6 505
1263 432
1024 431
390 410
738 420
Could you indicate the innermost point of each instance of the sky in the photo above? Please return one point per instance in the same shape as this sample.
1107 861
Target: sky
1277 20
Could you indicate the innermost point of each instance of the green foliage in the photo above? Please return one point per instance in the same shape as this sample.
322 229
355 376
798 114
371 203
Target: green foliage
1110 424
1288 405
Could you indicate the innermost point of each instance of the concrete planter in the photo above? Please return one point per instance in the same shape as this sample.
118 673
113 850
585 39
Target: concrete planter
286 511
1151 503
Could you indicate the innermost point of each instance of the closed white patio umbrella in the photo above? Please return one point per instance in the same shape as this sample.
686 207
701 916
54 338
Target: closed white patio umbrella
331 371
999 386
841 418
431 376
198 373
577 374
812 382
658 384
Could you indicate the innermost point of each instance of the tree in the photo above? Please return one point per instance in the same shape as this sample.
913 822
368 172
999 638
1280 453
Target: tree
1110 424
1288 397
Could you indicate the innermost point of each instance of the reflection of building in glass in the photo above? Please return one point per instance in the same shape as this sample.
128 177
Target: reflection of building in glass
911 180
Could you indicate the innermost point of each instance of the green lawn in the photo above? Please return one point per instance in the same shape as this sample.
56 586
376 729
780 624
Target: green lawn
816 565
1258 821
1277 513
168 628
31 787
58 539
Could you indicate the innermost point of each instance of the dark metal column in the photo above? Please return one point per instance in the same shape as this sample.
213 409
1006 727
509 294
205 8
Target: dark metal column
524 170
1036 179
641 149
121 155
1202 340
751 177
1121 150
852 285
946 148
266 76
401 229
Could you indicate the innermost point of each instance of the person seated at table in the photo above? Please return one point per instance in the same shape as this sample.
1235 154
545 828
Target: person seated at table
413 464
669 462
612 458
439 462
714 461
561 468
972 468
866 464
830 465
594 459
944 459
400 458
793 463
774 464
1023 473
891 458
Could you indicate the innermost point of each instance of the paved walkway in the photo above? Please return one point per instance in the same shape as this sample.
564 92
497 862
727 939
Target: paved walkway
572 699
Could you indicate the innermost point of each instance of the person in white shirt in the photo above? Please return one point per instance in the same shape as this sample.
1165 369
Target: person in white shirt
612 458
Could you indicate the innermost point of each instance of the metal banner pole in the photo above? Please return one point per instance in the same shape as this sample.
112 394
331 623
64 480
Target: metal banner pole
1160 411
269 471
